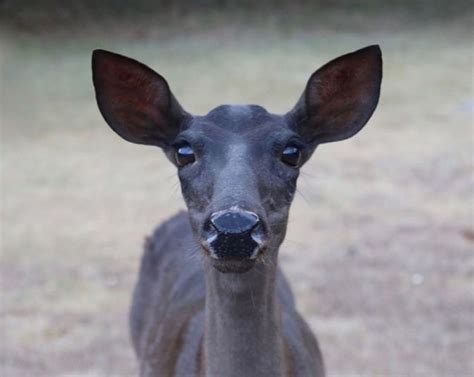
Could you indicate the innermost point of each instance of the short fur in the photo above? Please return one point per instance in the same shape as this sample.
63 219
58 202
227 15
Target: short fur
196 312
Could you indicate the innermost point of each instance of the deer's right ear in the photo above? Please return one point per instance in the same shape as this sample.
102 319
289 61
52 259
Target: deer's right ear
135 101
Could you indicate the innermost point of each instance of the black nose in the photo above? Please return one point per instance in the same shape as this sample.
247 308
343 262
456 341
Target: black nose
234 221
230 235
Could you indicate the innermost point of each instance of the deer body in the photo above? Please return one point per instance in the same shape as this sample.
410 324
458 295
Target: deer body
248 323
210 300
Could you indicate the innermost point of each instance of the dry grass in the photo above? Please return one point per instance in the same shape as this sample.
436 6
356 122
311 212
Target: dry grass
380 243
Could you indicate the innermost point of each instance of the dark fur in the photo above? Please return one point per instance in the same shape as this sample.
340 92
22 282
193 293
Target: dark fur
195 314
155 311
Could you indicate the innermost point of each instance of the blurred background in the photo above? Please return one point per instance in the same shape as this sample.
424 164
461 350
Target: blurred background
380 244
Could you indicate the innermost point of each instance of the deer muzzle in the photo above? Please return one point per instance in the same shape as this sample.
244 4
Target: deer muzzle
234 234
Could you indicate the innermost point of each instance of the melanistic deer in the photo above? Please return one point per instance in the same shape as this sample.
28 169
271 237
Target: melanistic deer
230 313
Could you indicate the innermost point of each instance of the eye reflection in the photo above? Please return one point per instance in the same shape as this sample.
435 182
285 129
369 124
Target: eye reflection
185 155
291 156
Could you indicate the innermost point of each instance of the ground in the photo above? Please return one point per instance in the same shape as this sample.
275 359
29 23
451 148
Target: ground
379 250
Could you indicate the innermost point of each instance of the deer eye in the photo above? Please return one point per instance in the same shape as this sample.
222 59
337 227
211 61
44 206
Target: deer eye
185 155
291 156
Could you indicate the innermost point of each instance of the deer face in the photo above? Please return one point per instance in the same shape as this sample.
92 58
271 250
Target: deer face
238 165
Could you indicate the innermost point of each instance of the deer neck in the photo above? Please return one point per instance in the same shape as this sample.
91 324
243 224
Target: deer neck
242 323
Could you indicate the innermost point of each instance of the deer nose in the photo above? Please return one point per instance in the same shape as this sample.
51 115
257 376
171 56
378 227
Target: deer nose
234 234
234 221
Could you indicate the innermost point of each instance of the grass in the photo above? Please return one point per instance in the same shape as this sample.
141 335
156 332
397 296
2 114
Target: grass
390 205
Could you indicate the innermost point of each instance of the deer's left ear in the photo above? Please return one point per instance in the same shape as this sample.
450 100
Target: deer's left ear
340 97
135 101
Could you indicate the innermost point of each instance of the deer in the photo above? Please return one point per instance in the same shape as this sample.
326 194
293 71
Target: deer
211 299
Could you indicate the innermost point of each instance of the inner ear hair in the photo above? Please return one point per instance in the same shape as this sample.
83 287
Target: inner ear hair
340 97
135 101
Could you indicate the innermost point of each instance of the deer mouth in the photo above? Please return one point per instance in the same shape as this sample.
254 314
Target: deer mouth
231 263
236 266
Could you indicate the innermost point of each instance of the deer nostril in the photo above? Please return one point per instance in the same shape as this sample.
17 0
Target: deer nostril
234 221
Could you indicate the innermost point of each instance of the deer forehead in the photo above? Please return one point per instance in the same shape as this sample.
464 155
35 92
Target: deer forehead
238 119
236 130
